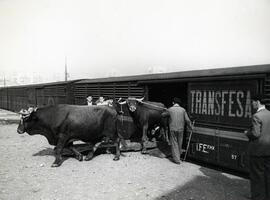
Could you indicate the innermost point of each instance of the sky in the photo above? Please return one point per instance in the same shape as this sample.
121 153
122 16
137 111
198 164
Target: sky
101 38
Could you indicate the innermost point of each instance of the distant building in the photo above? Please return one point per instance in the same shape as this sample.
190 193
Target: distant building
20 78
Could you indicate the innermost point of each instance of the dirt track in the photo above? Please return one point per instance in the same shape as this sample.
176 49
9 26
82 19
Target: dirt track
25 174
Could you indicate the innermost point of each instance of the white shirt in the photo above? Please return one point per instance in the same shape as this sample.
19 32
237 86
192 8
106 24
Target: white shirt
261 108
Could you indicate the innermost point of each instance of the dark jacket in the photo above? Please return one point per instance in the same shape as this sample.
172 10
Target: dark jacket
259 134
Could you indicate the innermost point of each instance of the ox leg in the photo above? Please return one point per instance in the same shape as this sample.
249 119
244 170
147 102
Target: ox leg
144 139
58 151
90 155
117 150
78 155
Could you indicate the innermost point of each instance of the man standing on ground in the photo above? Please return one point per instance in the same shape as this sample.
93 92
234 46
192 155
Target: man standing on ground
259 151
177 121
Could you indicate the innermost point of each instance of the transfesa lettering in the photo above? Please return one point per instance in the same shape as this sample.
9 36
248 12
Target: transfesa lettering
231 103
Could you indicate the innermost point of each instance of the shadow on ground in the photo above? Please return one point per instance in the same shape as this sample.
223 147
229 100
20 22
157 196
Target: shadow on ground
82 148
67 153
45 152
163 150
211 185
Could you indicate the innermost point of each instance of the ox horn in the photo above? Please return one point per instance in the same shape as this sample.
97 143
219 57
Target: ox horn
119 99
140 100
122 103
32 109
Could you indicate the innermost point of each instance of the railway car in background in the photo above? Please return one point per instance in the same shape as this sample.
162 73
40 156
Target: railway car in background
15 98
218 99
4 98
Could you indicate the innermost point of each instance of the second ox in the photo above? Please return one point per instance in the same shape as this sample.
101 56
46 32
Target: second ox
146 115
63 124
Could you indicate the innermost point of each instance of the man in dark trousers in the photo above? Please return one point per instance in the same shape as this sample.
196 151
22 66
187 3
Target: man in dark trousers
259 150
177 121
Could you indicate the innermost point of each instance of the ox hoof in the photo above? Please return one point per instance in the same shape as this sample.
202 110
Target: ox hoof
89 157
79 158
116 158
55 165
108 151
145 152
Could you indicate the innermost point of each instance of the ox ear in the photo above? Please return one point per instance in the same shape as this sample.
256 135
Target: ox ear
24 113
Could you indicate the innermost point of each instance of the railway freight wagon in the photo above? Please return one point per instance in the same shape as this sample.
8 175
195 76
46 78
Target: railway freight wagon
218 100
222 106
55 93
37 95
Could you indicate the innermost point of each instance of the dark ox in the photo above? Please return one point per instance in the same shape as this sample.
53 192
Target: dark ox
63 124
146 115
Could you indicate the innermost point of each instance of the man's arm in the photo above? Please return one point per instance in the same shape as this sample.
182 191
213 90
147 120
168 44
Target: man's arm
255 131
165 114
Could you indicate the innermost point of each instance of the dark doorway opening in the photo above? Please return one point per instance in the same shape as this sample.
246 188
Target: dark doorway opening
164 92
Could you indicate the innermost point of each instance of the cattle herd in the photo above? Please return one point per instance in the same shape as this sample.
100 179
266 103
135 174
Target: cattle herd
94 125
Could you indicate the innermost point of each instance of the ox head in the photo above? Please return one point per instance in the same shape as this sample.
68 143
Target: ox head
117 105
133 103
28 118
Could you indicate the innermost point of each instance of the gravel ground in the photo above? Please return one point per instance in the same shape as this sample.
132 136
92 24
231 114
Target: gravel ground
25 174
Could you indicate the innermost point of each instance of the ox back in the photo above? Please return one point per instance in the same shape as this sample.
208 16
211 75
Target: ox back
146 115
149 113
62 124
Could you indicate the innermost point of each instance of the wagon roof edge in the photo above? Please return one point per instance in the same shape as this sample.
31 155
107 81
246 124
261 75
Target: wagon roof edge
242 70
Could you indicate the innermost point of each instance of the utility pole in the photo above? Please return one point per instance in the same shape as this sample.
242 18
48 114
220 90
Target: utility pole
4 81
66 73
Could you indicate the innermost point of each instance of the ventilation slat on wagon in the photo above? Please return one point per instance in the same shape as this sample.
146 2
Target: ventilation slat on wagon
267 90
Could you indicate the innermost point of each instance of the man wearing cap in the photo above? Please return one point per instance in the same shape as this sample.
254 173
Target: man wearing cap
89 101
177 121
259 150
